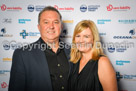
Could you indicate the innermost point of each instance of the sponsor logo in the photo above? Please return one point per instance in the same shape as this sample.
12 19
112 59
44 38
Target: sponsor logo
93 7
102 34
7 20
3 33
68 21
90 8
130 77
118 8
103 21
83 8
121 62
4 85
30 8
24 34
122 37
132 32
118 46
111 49
4 8
7 59
131 21
11 45
6 45
4 72
64 9
23 21
65 32
39 7
131 36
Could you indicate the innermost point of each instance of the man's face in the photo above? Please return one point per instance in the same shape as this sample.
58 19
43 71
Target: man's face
50 26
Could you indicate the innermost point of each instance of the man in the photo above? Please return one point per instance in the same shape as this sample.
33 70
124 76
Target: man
35 69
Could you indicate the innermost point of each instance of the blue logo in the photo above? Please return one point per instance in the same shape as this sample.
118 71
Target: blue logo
102 21
6 45
122 37
127 21
125 76
39 7
83 8
11 45
30 8
102 34
119 76
132 32
24 34
121 49
23 21
64 33
93 7
121 62
111 49
14 45
3 30
3 33
4 71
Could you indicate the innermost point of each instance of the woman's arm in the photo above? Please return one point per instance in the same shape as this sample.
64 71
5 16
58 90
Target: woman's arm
107 75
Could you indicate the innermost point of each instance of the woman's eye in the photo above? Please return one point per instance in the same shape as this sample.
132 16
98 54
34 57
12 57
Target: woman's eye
86 36
77 35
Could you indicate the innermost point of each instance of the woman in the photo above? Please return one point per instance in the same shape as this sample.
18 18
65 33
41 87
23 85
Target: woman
92 70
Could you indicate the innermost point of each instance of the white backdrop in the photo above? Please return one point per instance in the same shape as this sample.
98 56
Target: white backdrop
115 19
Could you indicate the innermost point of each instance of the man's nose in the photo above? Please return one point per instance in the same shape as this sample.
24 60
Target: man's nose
51 25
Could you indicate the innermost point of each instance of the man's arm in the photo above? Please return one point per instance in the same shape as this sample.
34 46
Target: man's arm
17 74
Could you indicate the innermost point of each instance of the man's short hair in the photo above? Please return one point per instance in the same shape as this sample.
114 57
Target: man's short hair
49 8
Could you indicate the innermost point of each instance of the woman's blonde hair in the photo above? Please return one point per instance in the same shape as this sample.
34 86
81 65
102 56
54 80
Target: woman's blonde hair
96 48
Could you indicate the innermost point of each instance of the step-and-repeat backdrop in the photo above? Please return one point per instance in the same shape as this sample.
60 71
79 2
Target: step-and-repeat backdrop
115 19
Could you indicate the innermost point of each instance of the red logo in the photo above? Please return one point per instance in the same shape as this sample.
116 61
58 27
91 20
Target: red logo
3 7
4 85
64 8
118 8
110 7
55 6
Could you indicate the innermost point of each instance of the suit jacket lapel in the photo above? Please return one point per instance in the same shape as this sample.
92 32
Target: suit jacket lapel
40 56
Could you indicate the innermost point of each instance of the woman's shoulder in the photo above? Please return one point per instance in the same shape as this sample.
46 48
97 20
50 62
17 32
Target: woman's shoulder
106 70
104 64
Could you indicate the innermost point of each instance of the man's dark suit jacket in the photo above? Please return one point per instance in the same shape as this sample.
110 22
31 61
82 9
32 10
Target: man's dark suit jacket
29 71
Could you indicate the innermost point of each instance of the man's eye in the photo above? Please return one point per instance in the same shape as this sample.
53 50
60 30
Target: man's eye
46 22
56 22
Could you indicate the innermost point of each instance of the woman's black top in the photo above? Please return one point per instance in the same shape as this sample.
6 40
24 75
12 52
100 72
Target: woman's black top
87 79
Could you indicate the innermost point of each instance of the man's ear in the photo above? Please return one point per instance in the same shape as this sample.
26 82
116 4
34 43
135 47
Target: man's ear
38 26
62 26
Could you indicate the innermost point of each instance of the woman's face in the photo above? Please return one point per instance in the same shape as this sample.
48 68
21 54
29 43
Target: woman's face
84 40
